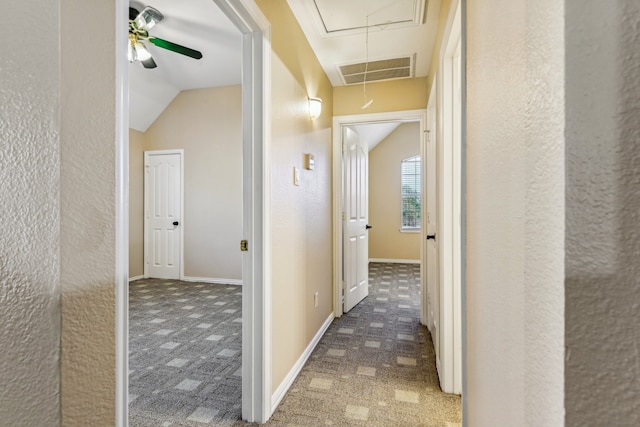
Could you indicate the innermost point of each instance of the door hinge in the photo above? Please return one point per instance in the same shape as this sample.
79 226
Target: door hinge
244 245
344 216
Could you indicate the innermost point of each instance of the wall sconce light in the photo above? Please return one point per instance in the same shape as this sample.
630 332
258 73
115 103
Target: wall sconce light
315 108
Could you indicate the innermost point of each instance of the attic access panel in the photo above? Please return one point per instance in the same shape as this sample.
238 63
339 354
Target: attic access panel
341 15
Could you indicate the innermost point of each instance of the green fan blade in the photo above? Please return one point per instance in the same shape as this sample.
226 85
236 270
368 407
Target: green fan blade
175 47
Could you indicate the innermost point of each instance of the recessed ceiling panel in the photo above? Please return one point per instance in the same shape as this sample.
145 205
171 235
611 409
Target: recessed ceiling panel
348 15
336 32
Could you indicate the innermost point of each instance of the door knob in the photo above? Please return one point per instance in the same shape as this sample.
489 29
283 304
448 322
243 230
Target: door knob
368 227
431 237
176 223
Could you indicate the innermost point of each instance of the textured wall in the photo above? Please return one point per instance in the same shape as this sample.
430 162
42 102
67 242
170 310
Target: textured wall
87 218
301 215
603 201
515 213
29 194
385 213
207 124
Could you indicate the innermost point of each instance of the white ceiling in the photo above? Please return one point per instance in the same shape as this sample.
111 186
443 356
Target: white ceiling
336 30
200 25
374 133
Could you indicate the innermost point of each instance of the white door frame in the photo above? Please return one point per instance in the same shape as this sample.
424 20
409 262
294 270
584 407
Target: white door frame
429 155
450 216
256 290
146 219
339 122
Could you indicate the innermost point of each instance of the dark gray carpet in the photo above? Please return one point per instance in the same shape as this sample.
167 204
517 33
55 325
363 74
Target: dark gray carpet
375 366
184 353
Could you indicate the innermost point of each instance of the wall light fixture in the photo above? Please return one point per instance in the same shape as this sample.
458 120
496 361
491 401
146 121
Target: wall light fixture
315 108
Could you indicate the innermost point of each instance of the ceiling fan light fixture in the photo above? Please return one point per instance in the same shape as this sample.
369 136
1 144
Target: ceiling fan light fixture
142 54
131 53
148 18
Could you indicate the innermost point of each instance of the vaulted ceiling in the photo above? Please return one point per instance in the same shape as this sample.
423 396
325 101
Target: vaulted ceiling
336 29
198 24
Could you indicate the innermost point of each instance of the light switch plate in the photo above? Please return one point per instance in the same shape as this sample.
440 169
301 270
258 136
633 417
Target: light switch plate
296 176
309 161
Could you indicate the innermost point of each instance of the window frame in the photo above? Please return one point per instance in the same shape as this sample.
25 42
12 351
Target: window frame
417 178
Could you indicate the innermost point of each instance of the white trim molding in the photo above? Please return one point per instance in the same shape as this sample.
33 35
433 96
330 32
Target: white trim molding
282 389
122 214
134 278
213 280
256 222
395 261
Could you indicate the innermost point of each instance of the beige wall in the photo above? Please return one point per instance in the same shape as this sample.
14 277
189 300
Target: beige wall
434 66
87 216
207 124
385 239
301 215
393 95
515 214
136 202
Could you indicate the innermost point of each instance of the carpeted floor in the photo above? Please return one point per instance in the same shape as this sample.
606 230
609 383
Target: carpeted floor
184 353
375 366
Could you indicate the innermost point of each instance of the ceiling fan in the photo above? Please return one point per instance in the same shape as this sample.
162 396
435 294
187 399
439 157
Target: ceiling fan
139 26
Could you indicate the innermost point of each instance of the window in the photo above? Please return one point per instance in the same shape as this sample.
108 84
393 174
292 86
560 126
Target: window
410 171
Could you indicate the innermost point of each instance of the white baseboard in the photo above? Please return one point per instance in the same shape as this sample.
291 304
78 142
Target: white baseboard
212 280
293 373
131 279
395 261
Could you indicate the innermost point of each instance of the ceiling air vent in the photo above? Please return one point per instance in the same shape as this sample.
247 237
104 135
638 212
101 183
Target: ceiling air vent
386 69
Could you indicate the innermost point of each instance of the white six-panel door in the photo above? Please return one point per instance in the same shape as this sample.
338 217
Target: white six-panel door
356 241
163 214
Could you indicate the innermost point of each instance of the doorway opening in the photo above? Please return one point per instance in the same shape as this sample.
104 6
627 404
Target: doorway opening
256 387
440 247
399 287
382 214
351 199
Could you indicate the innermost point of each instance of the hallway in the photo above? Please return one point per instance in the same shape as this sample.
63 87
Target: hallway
375 365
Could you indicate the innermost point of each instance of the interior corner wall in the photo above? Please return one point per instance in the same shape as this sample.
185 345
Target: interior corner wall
434 66
136 202
515 213
30 260
207 124
385 195
603 201
388 96
301 216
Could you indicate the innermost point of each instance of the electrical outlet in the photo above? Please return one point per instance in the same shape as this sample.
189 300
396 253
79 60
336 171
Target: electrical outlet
315 299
